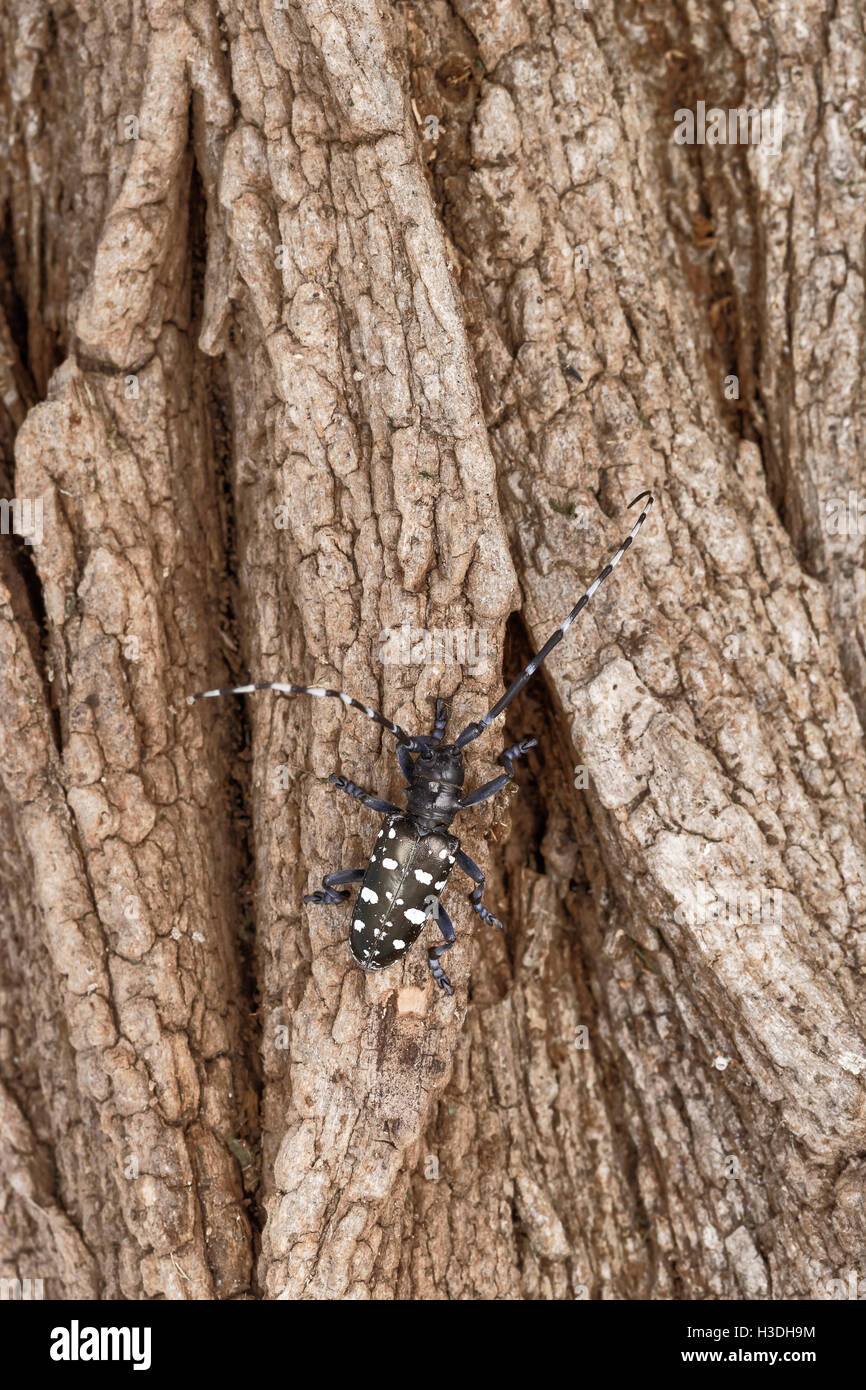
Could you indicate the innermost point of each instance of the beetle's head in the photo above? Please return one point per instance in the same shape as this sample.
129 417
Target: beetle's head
440 765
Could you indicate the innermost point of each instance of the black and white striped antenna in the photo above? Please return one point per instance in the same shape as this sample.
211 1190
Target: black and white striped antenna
423 742
473 731
286 688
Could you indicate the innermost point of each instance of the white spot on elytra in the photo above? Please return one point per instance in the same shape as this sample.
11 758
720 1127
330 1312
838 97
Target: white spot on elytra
369 896
391 833
414 915
398 944
358 924
439 885
390 863
442 853
388 895
423 877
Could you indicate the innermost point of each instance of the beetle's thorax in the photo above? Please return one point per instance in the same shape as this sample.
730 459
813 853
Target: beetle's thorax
434 797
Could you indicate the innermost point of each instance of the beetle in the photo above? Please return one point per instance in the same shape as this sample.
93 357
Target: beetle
415 852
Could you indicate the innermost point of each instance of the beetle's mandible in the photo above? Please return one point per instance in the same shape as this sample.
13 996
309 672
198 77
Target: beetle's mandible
415 851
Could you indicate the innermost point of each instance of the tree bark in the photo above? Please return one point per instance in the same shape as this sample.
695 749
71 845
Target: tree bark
323 317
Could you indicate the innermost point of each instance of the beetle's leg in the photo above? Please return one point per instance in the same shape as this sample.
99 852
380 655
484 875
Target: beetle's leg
471 868
404 758
441 722
446 926
329 883
374 803
507 759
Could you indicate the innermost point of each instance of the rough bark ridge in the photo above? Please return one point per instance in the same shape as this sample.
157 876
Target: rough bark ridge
326 316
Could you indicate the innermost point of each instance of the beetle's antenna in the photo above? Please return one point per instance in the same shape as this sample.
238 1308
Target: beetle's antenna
286 689
473 731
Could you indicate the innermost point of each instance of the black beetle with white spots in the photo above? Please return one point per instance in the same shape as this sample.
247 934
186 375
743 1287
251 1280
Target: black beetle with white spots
415 852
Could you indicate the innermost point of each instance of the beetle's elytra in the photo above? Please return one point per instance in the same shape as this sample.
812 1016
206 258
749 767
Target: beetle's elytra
414 852
408 868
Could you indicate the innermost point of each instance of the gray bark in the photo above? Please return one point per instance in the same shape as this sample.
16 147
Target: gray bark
326 317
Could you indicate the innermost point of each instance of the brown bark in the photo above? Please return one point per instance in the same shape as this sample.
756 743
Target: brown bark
292 363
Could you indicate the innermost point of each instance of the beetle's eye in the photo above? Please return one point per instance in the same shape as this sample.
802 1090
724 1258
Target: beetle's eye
427 756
